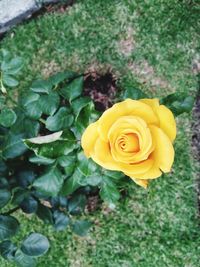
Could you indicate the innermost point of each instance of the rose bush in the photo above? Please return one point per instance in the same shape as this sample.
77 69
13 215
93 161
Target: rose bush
134 137
43 170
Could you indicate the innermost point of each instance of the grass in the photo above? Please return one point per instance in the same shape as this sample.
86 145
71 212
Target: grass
147 43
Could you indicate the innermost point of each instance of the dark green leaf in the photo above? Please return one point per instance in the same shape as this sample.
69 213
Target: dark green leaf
47 147
109 192
116 175
92 180
9 80
41 160
32 106
79 103
4 183
133 93
68 163
3 167
49 103
81 228
19 195
7 117
86 166
82 121
7 250
50 183
2 101
41 86
23 260
72 183
13 146
45 214
77 204
26 126
61 120
5 196
62 76
179 103
13 66
8 227
25 178
73 89
29 205
35 245
61 221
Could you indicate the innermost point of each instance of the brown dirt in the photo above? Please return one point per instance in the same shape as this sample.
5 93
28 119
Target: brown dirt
147 75
61 7
196 140
101 88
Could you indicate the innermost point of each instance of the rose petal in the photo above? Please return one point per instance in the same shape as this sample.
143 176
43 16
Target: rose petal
143 183
89 138
125 108
167 121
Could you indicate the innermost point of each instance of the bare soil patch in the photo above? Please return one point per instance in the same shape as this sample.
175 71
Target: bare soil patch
196 140
101 88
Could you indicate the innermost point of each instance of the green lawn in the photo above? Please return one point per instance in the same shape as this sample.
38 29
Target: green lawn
150 44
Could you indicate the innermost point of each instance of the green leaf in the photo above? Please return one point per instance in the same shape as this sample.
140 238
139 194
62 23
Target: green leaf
61 221
81 227
7 250
2 101
7 117
109 192
92 180
52 149
82 121
13 66
35 245
8 227
179 103
61 120
46 139
73 89
133 93
62 76
79 103
86 166
41 86
19 194
50 183
77 204
9 80
13 146
26 126
41 160
32 106
68 163
72 183
49 103
5 196
29 205
44 213
23 260
115 175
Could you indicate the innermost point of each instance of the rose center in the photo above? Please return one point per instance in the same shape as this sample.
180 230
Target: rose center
129 143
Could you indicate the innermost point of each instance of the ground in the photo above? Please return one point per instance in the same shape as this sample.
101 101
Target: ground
152 45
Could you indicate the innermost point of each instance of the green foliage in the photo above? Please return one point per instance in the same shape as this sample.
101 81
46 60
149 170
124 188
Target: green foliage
35 245
43 168
179 103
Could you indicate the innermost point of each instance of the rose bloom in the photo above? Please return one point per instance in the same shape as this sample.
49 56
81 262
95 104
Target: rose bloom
135 137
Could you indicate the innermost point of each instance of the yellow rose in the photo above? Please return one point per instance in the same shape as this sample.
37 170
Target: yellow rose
135 137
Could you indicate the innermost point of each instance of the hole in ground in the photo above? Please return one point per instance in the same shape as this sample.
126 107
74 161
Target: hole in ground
101 88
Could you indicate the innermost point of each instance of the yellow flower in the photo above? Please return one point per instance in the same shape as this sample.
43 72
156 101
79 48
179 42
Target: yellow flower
135 137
